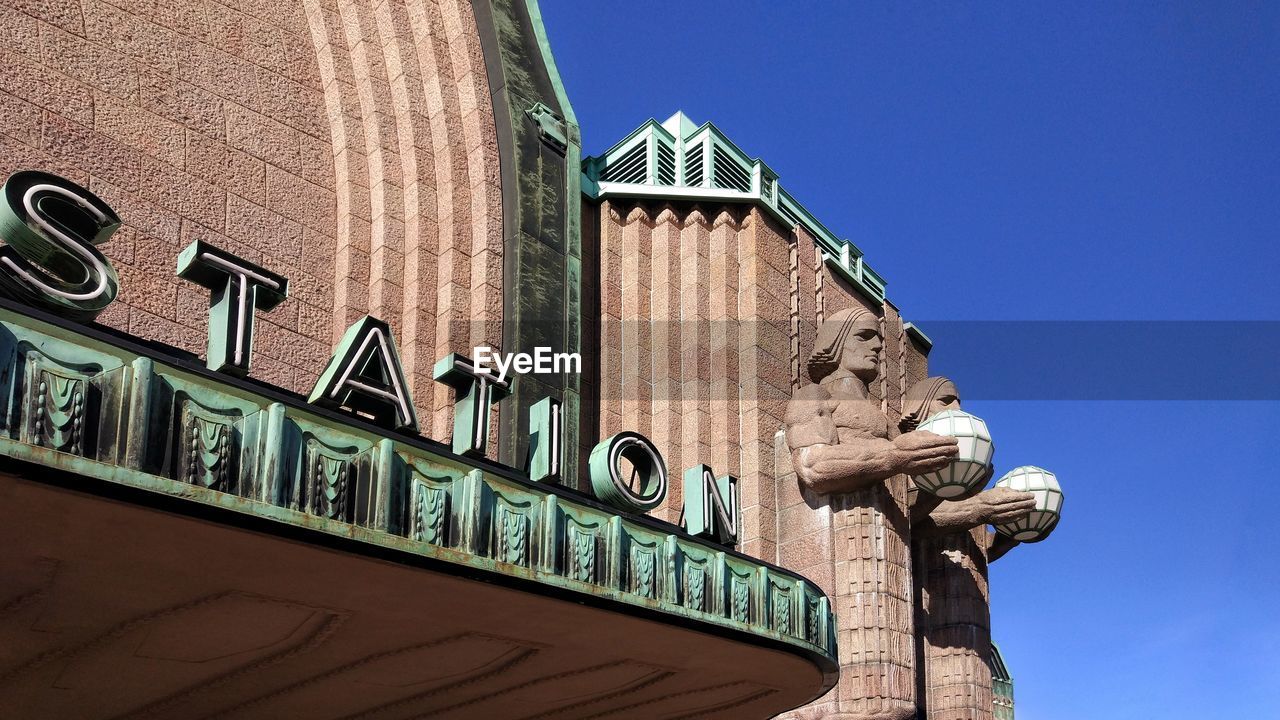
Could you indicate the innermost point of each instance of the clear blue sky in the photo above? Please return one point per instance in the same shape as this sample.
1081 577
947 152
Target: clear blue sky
1035 161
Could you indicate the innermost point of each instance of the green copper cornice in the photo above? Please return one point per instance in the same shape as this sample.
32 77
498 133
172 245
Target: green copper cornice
915 333
107 415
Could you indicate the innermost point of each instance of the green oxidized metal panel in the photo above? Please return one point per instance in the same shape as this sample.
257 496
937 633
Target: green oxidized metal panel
99 410
540 148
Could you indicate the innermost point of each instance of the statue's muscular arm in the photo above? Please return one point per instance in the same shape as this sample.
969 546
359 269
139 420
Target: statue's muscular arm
995 506
826 465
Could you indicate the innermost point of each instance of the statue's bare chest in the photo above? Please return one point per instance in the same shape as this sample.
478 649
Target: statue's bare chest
857 418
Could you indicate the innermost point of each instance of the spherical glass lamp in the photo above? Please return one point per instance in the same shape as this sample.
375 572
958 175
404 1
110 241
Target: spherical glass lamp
970 466
1044 485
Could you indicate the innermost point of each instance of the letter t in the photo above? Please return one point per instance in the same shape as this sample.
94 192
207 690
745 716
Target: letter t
477 390
238 289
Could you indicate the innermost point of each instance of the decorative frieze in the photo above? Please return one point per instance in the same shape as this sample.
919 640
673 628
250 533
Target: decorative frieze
429 498
642 571
205 447
327 483
57 405
740 602
511 536
581 552
695 587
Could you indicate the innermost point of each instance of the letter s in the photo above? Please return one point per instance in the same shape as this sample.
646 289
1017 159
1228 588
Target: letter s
51 225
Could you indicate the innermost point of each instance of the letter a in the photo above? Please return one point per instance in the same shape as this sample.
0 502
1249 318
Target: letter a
365 376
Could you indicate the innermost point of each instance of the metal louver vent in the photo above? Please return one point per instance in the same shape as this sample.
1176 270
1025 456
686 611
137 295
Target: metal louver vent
666 165
726 173
693 166
632 167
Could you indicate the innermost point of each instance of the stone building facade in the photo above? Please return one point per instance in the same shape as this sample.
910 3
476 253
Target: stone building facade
348 145
417 161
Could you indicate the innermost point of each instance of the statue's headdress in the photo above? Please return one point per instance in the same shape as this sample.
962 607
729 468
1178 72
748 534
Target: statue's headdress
915 405
829 344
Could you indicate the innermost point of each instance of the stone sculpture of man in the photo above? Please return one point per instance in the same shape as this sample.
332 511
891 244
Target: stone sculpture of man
932 517
841 447
951 548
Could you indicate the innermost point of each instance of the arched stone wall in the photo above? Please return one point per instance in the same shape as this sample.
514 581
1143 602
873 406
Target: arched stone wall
346 144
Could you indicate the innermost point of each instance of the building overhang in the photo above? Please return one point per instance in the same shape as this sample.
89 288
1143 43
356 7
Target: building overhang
167 553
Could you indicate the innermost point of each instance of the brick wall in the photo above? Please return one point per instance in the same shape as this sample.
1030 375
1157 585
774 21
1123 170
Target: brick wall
345 144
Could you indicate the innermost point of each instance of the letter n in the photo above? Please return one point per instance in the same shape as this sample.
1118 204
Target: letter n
711 505
365 376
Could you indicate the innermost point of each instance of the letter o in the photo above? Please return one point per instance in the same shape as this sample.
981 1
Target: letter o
606 472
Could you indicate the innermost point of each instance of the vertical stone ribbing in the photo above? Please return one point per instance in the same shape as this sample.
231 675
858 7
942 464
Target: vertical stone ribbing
694 369
636 393
418 193
681 356
765 380
350 282
819 281
806 251
666 329
902 366
611 314
722 343
884 375
480 148
466 225
380 150
891 367
794 270
453 292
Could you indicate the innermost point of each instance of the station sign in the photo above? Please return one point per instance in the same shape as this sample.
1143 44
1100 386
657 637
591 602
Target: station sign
52 227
